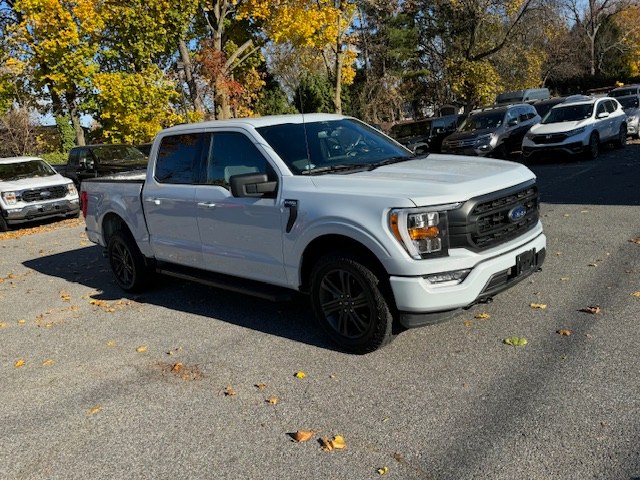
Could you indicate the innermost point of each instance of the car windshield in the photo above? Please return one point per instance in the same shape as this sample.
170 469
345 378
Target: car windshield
568 113
331 146
482 121
623 92
628 102
109 153
26 169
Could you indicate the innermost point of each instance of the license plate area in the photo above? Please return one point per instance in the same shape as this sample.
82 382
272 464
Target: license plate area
525 262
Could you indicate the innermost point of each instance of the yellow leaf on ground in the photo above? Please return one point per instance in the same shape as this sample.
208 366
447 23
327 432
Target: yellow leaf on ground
468 323
141 349
48 362
540 306
22 321
19 363
65 296
302 435
273 400
338 442
260 386
177 367
94 410
564 332
383 470
3 325
482 316
299 375
592 309
111 343
229 391
635 294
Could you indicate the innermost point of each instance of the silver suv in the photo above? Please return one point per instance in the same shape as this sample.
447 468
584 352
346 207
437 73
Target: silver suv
495 132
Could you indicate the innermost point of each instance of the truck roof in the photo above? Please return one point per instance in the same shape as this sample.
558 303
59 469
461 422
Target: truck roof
257 122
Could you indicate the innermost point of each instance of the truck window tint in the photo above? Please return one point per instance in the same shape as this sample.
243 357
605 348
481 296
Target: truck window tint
232 153
178 158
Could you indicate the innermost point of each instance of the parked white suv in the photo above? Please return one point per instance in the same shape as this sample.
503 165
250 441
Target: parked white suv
578 126
31 189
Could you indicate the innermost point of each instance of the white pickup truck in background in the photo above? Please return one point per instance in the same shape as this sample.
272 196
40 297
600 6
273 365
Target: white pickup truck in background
30 189
324 205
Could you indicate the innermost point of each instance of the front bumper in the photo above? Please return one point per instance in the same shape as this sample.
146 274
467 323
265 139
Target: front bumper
421 303
21 213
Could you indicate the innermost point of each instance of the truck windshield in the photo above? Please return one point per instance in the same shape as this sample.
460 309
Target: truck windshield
110 153
26 169
316 147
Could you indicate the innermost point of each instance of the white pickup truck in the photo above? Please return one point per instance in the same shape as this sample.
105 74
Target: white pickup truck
324 205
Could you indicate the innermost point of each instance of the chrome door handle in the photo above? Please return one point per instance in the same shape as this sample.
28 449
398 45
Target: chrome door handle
155 201
206 204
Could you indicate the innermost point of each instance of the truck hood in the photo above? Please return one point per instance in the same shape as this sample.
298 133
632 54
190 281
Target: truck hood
431 180
33 182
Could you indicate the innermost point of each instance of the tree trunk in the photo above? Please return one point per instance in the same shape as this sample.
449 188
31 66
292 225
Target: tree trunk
194 94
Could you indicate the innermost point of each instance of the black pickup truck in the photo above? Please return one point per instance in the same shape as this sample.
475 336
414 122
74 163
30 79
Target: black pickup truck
93 161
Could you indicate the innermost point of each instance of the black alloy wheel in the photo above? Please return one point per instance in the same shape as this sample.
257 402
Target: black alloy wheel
127 263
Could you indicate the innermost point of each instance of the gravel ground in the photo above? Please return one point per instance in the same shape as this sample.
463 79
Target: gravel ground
118 386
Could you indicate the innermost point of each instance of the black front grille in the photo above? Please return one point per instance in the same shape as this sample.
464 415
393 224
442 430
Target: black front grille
550 138
42 194
490 220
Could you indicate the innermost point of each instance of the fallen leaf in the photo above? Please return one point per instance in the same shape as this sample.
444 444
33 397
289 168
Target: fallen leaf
22 321
273 400
141 349
3 325
564 332
338 442
177 367
564 279
19 363
111 343
260 386
302 435
229 391
593 309
299 375
94 410
383 470
48 362
516 341
592 265
482 316
635 294
65 296
468 323
325 444
540 306
635 240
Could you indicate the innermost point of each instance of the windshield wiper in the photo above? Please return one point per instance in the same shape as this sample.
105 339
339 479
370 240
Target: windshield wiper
341 167
389 161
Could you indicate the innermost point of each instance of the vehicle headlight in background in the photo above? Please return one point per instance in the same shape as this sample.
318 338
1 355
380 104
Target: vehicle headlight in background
71 189
10 198
422 232
575 131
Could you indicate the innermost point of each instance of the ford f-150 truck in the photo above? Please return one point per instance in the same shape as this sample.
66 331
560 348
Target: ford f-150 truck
30 189
327 206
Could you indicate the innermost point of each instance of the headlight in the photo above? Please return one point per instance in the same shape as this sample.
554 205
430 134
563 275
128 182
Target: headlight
422 232
10 198
71 189
576 131
484 139
529 135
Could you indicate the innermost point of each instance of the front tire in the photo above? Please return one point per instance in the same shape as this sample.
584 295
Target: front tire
4 227
593 149
127 263
349 301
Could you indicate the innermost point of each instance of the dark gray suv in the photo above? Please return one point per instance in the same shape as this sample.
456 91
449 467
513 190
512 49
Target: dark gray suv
495 132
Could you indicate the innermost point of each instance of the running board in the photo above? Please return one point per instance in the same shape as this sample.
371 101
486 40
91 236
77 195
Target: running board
227 282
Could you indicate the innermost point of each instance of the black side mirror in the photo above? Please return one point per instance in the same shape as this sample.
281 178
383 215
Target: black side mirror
252 185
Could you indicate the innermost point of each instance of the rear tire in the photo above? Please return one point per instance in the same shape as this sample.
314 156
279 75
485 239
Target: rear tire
621 141
593 149
349 301
127 263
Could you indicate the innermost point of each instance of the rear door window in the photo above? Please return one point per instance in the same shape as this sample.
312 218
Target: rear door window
179 158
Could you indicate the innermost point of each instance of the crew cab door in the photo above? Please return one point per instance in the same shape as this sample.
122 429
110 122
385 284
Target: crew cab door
169 202
240 235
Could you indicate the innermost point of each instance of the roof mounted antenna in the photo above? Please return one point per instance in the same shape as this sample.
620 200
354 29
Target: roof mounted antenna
304 128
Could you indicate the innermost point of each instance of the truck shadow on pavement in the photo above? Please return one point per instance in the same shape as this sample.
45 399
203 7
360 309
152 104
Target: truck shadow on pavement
293 320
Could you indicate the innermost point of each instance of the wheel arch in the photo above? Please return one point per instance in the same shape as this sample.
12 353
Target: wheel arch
329 243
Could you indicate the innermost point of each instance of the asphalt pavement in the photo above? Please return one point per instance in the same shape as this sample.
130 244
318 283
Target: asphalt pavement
190 382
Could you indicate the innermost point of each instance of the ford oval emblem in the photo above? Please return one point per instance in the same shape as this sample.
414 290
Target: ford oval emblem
517 213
